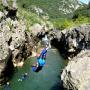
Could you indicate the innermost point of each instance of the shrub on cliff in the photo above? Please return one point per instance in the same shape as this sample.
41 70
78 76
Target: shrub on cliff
63 23
81 19
67 24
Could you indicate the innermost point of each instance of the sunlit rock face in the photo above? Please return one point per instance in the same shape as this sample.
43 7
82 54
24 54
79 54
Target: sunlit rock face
16 42
15 45
40 29
76 75
36 28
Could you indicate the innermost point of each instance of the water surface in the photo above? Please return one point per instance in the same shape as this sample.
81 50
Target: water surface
47 79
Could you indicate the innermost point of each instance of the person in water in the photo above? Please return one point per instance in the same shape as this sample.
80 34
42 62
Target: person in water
24 76
7 86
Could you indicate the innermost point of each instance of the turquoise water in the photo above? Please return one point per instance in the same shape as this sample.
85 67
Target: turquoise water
47 79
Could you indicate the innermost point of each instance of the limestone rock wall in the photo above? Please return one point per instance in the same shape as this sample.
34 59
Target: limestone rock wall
15 44
76 76
71 42
74 45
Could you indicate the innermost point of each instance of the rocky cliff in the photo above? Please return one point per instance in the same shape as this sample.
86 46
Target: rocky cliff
17 37
71 42
15 45
16 42
76 76
74 44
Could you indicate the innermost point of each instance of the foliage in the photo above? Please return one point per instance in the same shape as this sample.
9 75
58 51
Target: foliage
83 11
81 20
30 18
81 16
67 24
58 22
49 6
63 23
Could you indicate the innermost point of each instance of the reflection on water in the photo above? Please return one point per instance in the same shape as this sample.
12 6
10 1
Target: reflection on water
47 79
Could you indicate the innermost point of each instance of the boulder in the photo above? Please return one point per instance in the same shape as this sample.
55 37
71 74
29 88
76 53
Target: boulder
36 28
76 75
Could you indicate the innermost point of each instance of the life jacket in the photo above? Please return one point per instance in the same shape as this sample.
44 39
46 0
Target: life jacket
41 62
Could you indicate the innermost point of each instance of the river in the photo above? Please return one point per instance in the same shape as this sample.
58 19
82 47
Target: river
47 79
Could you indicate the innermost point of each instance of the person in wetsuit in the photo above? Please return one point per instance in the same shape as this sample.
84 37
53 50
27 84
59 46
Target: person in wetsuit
39 65
41 60
43 53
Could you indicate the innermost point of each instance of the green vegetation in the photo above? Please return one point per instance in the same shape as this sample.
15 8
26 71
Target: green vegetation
68 23
30 18
80 16
63 23
82 19
83 11
60 20
46 5
51 8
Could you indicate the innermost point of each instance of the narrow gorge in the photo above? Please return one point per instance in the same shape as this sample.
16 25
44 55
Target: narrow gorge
68 60
75 46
